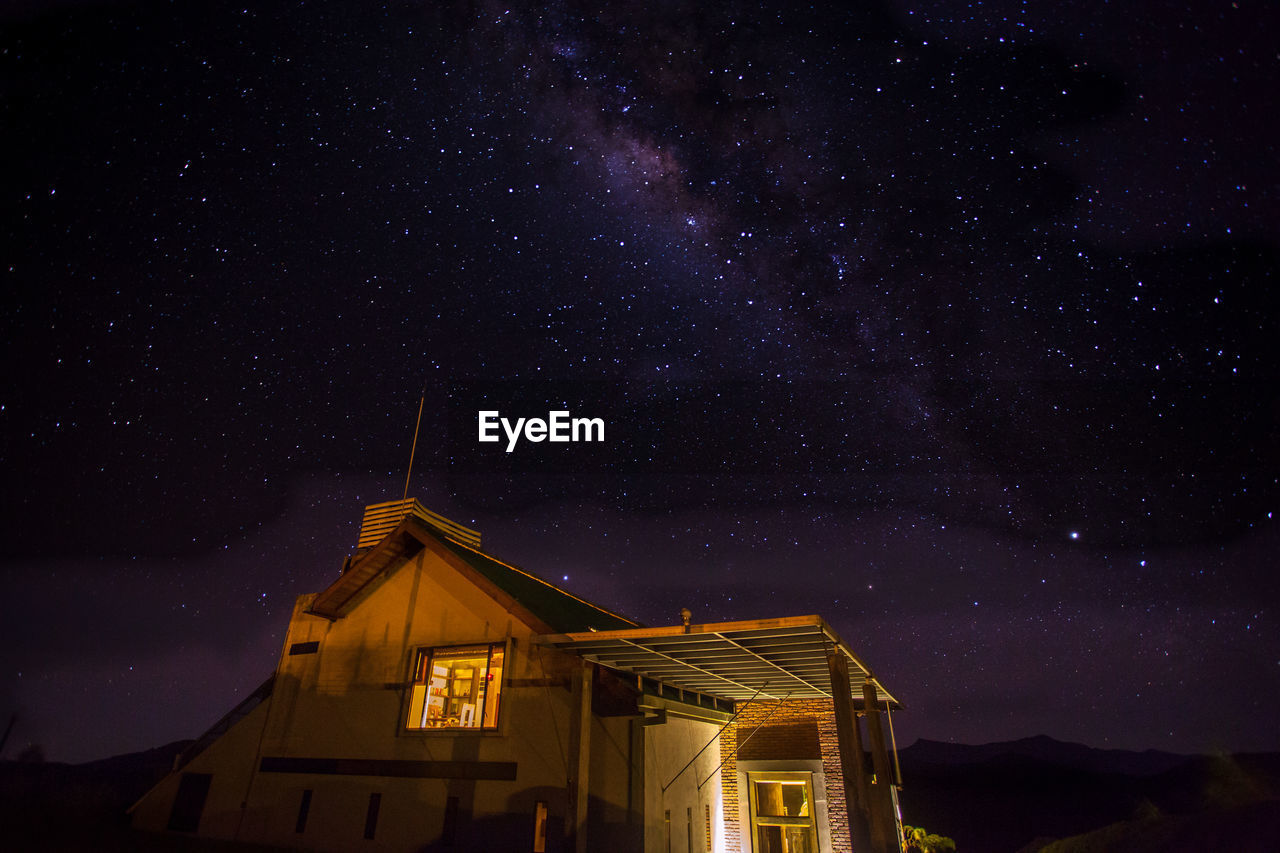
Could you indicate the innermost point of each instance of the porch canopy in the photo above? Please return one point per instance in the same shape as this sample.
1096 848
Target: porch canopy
769 658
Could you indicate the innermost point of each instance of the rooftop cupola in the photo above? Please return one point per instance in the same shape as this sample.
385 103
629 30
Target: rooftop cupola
381 519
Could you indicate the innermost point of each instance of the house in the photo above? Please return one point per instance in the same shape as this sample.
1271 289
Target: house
434 697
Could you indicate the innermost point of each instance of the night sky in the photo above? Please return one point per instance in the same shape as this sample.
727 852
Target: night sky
951 322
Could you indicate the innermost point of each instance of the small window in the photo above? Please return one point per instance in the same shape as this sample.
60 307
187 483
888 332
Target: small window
304 809
188 803
371 816
456 687
782 813
449 832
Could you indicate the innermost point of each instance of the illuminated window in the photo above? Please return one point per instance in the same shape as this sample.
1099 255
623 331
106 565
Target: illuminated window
782 813
456 687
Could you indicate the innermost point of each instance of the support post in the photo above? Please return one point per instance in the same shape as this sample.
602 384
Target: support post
635 788
885 834
579 760
851 755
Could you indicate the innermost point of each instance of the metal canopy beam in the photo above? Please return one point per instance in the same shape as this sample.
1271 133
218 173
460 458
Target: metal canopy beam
728 659
791 672
700 669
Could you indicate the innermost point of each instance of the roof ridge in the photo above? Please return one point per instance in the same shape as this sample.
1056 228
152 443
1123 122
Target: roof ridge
512 567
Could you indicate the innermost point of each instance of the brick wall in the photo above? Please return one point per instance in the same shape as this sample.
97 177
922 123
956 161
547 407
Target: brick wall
800 729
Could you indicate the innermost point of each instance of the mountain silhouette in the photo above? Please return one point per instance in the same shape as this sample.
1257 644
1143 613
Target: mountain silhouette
1018 796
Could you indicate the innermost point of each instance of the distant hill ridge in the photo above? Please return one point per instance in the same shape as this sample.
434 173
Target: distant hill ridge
1018 795
1048 750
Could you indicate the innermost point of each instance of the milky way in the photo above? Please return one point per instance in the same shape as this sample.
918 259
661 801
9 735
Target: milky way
950 322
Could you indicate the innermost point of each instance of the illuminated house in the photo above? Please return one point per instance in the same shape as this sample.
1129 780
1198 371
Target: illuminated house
434 697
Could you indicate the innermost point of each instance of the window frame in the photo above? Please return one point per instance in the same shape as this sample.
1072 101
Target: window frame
757 820
422 662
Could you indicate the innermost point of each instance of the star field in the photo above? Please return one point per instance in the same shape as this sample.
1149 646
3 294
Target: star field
948 321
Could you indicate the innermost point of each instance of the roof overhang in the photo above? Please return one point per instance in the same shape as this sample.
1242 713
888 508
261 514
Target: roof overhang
537 603
402 543
771 658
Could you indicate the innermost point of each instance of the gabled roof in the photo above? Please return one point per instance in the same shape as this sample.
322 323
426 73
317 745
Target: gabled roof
549 602
547 607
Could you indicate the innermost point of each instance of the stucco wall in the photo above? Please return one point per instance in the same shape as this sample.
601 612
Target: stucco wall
228 760
689 794
348 700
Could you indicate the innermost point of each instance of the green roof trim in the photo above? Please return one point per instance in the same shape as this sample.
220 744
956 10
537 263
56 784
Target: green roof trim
563 611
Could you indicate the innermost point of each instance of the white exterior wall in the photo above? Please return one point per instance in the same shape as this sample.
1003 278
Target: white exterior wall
668 748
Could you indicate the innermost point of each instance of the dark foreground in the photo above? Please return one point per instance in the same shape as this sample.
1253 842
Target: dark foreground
65 807
1019 797
1040 794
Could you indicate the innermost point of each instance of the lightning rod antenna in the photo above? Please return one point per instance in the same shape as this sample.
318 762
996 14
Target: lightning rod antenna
414 448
